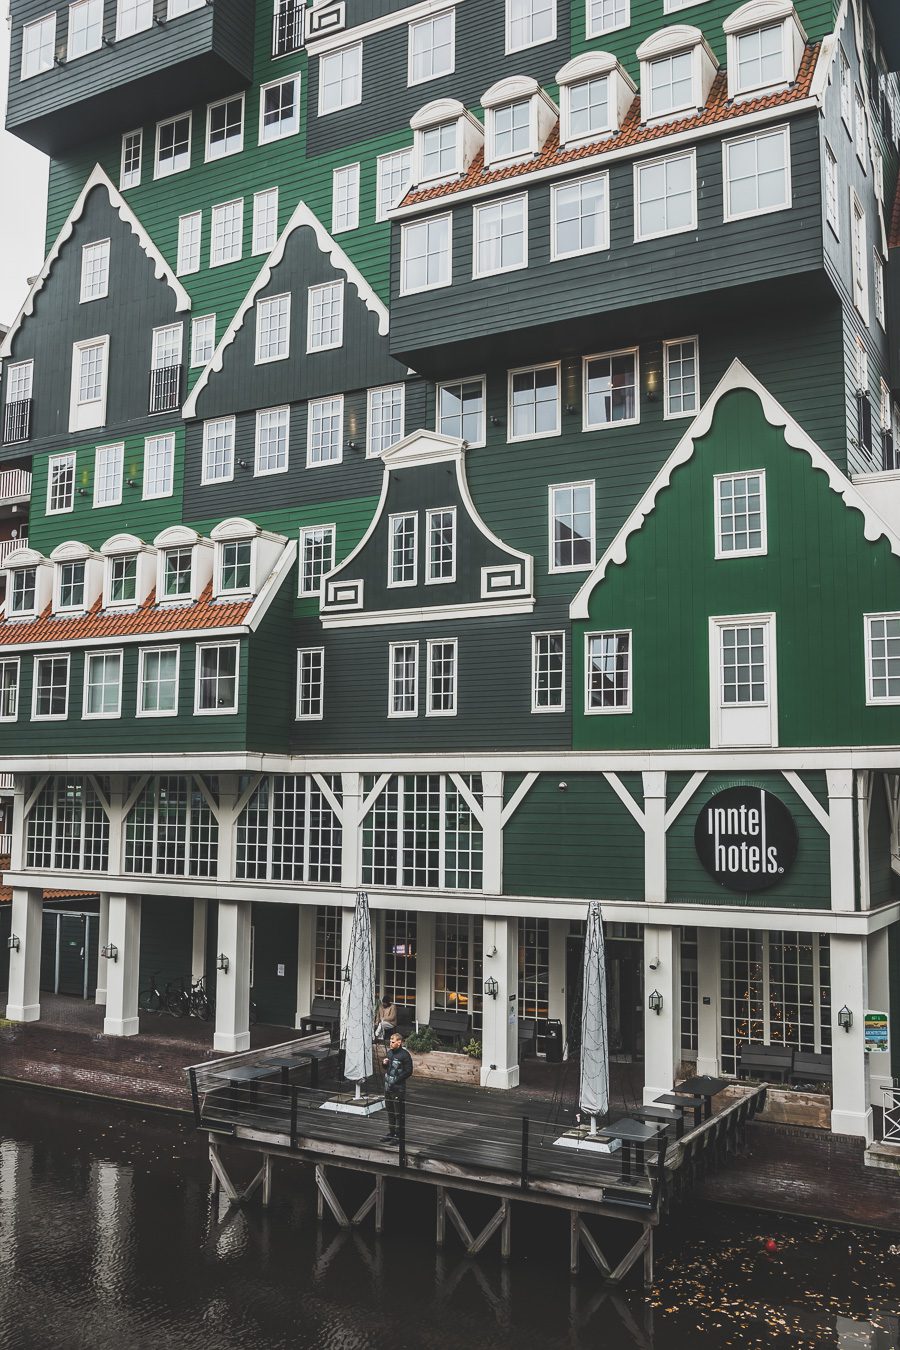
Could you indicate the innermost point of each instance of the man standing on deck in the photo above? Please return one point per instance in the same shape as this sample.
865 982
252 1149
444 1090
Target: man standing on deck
398 1066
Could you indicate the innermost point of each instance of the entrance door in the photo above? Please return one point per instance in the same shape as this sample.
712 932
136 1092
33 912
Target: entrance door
72 957
624 996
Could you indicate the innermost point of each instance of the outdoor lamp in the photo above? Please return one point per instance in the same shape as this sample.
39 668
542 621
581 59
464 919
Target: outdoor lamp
655 1002
222 962
111 952
845 1018
491 987
347 973
12 942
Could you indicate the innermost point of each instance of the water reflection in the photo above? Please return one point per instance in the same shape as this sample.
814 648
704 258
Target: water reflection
111 1239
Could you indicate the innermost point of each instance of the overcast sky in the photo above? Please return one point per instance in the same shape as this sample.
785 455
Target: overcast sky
23 202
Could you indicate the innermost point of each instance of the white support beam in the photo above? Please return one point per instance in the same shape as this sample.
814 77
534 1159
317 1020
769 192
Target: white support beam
306 961
683 798
226 816
654 837
123 969
625 798
116 825
17 851
662 1048
425 928
102 940
841 837
233 985
863 813
851 1111
350 813
709 958
518 797
809 799
879 1000
198 938
492 833
468 797
24 999
500 1015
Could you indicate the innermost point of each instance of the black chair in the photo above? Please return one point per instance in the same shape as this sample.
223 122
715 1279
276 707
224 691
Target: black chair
765 1061
527 1037
324 1015
450 1026
810 1068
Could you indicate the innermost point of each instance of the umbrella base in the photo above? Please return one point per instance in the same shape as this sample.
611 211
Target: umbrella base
580 1138
354 1106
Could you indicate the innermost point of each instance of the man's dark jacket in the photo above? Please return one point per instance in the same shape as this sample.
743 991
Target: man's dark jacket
399 1068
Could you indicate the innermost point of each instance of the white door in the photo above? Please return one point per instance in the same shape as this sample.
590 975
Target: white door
742 681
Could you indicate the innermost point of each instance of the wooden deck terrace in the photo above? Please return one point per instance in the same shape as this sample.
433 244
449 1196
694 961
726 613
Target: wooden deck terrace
457 1140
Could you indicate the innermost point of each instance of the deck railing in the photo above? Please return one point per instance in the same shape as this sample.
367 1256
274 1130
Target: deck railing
14 484
891 1129
7 782
165 389
5 845
8 546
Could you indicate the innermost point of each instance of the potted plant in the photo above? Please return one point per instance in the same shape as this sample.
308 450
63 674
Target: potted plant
432 1060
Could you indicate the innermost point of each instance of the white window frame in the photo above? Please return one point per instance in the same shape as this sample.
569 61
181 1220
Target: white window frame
716 673
414 579
103 245
81 605
183 168
370 418
233 592
859 239
53 459
407 712
83 4
352 102
832 192
668 344
268 136
215 217
860 132
210 320
116 498
538 435
470 379
92 413
745 91
764 134
428 22
20 381
310 716
889 700
22 611
352 176
190 243
131 178
39 23
92 655
509 49
552 707
555 254
170 479
846 88
121 34
50 656
678 110
601 31
260 414
552 488
140 710
117 604
331 345
725 554
262 201
635 354
405 233
640 166
219 646
210 157
627 707
262 307
878 285
430 645
15 661
429 514
405 153
325 463
304 590
477 213
208 425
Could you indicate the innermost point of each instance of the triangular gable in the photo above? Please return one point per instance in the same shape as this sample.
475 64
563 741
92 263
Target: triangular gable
302 216
736 377
98 178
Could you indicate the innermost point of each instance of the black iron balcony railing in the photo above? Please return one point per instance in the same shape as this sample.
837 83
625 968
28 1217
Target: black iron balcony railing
287 28
165 389
17 421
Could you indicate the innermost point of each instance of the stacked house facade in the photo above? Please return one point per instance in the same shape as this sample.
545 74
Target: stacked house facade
466 467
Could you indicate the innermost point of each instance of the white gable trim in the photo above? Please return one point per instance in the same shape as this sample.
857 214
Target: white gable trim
736 377
162 270
338 258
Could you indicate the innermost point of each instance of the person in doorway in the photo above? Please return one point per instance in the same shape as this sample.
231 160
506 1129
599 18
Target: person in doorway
385 1017
398 1067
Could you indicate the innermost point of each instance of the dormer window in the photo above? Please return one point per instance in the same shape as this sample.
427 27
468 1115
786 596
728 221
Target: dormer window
122 580
595 94
765 47
130 571
70 586
447 138
176 574
439 152
77 578
23 590
519 118
677 71
244 557
29 583
235 567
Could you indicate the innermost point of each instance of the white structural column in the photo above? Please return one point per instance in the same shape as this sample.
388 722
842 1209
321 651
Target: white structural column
500 1015
233 985
425 927
851 1112
879 1001
662 1050
306 961
198 939
841 808
123 972
351 829
24 1003
654 837
346 936
709 965
492 833
556 1002
102 940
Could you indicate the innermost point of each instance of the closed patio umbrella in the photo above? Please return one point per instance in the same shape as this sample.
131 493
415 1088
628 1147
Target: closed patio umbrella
594 1090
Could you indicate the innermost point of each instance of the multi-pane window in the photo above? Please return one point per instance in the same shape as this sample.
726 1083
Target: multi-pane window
166 347
9 690
217 682
398 956
272 438
133 16
878 278
265 220
132 154
534 968
172 830
681 377
425 257
588 109
384 418
325 431
501 236
19 382
608 672
861 139
571 526
442 677
760 58
173 146
177 576
859 255
743 663
273 328
85 28
51 687
431 48
325 327
102 684
511 130
440 525
218 450
421 831
159 466
832 198
611 389
122 580
846 89
340 79
179 7
345 198
394 176
95 270
606 15
60 483
665 196
67 827
235 566
403 562
203 339
108 463
279 109
158 682
671 80
883 657
225 128
775 990
439 152
288 831
88 404
757 174
580 216
328 981
529 22
403 679
460 410
190 229
316 557
23 591
310 684
548 672
226 245
740 514
70 585
38 46
534 402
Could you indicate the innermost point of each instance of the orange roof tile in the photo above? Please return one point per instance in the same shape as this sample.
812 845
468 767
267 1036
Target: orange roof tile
6 895
148 618
719 108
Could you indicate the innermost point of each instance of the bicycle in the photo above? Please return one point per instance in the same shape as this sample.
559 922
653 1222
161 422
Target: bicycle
150 999
200 1004
177 999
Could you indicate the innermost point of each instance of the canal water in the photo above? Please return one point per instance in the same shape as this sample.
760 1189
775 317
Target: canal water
109 1240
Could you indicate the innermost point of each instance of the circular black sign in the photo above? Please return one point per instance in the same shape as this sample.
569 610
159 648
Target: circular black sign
746 838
